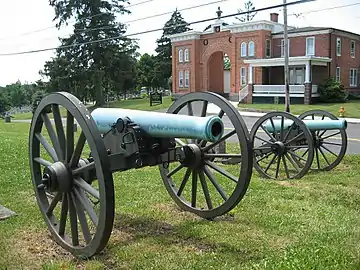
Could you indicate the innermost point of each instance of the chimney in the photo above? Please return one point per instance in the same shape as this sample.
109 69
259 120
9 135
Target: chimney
274 17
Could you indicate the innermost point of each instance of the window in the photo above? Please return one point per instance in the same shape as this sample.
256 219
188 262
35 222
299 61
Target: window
251 48
353 77
338 74
283 47
181 79
338 46
181 56
352 49
268 48
186 55
310 46
187 75
243 76
243 49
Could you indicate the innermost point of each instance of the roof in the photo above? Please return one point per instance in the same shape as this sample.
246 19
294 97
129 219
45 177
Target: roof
314 28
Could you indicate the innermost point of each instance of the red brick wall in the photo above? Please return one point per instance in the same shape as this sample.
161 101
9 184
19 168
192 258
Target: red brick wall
345 61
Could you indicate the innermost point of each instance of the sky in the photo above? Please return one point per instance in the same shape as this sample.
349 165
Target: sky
28 25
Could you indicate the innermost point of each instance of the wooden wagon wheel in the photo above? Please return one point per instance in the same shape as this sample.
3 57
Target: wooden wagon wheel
207 188
282 140
327 141
80 184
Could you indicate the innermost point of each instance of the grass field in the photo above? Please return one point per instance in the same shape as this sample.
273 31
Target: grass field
312 223
137 104
352 108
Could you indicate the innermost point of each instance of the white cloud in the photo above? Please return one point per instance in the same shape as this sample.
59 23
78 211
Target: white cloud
19 16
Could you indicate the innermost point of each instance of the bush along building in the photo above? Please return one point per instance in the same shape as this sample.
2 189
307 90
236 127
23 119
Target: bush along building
255 50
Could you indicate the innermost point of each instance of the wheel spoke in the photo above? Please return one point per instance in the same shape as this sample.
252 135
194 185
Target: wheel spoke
205 149
285 166
277 167
178 168
184 181
271 162
63 215
47 146
84 200
87 187
59 129
331 143
82 219
293 163
52 135
69 136
327 149
322 153
194 188
73 222
205 190
215 183
268 133
82 169
53 203
221 171
331 135
42 161
78 150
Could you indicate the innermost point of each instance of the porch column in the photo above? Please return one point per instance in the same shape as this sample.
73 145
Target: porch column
250 85
250 77
307 84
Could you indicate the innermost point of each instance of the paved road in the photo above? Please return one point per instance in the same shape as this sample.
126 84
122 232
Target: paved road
353 130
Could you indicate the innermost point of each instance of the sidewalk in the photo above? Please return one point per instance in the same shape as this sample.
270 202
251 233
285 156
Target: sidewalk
214 109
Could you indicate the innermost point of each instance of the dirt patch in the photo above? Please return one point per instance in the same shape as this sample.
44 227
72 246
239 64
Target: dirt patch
34 248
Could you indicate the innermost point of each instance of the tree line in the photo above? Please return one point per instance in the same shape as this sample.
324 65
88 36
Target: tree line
97 59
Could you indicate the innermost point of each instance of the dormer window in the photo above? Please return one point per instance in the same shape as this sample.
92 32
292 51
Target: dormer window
251 48
243 49
181 56
186 55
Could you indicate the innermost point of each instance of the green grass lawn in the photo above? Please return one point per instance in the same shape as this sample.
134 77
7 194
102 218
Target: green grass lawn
137 104
312 223
352 108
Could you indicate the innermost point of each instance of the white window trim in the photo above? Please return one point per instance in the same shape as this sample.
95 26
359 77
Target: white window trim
282 47
307 46
338 76
187 78
181 56
355 84
186 55
251 43
266 42
243 45
352 54
181 79
337 52
243 76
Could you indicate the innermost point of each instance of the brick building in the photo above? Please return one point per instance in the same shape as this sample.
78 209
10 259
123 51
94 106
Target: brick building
256 53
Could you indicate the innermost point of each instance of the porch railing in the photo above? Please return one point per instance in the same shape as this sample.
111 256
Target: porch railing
279 90
243 92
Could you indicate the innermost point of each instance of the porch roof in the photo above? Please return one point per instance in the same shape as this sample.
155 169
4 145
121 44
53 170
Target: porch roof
293 61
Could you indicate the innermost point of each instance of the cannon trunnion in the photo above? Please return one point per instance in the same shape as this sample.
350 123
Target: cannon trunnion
72 170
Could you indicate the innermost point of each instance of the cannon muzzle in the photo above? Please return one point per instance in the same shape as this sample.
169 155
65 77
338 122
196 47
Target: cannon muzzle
311 124
163 125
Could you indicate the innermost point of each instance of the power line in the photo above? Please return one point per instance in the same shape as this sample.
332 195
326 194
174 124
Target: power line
152 16
71 21
156 30
324 9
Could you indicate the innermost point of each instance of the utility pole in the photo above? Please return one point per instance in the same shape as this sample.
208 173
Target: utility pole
286 56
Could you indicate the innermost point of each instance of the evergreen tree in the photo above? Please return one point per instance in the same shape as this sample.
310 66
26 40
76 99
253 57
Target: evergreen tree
175 25
249 6
85 66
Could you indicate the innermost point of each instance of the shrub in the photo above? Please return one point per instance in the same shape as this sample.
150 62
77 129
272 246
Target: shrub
332 91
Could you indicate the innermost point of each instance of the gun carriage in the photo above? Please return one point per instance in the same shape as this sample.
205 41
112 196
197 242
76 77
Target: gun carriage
72 171
286 146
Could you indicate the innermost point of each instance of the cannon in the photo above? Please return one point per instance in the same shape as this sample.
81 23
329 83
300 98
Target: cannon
287 147
72 171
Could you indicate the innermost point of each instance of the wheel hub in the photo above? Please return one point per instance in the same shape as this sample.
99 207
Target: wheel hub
278 147
57 177
193 156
